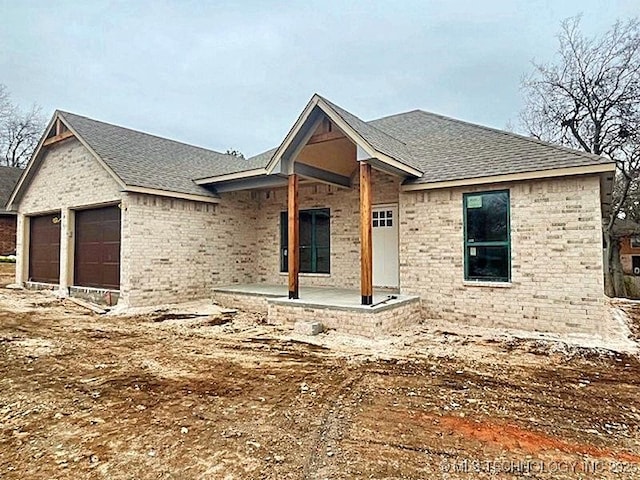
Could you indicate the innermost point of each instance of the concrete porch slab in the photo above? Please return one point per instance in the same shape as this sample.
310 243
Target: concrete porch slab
334 308
338 298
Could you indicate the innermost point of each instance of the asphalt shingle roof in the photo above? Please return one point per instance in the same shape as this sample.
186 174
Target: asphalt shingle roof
9 177
448 149
445 149
145 160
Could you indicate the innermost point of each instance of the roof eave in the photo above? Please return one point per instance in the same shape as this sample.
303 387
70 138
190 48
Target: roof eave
214 198
256 172
512 177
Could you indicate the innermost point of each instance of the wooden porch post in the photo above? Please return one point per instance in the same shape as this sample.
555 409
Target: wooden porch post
366 245
293 248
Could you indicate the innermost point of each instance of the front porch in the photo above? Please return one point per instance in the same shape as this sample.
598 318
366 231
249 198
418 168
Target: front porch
335 308
327 199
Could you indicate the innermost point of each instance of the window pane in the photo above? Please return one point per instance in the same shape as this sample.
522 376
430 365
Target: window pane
305 260
284 232
635 264
488 263
323 236
323 260
305 228
487 218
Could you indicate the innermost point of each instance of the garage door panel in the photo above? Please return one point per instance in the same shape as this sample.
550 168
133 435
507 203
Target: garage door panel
44 248
111 253
89 233
89 253
112 234
110 271
97 248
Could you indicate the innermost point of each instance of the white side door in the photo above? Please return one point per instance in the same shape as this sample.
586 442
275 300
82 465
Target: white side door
385 246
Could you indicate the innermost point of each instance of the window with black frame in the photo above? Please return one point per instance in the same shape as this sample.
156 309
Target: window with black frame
487 236
315 241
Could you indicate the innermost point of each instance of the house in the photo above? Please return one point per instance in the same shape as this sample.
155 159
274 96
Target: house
8 178
627 232
364 226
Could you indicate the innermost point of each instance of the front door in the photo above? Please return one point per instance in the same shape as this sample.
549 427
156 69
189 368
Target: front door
385 246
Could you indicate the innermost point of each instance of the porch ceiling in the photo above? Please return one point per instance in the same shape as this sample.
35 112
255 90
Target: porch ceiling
337 156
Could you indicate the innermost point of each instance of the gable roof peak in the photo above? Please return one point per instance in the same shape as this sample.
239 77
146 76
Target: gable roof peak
70 115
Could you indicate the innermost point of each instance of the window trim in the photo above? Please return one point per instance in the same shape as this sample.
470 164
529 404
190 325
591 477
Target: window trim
314 247
466 244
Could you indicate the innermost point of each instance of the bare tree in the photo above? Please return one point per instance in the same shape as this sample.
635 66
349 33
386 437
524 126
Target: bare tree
19 131
235 153
589 99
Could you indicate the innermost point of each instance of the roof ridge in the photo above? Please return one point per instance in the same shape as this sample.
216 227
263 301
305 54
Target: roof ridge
144 133
399 114
512 134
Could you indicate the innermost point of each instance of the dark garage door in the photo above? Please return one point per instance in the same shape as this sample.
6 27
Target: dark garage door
97 248
44 248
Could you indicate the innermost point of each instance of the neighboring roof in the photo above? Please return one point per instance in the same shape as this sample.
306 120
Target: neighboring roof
9 177
625 228
447 149
143 160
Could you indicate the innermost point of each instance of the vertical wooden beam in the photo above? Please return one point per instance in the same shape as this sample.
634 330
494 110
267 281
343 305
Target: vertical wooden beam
366 244
58 127
293 249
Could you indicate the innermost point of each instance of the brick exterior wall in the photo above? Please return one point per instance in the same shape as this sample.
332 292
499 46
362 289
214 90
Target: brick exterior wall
354 322
7 234
345 229
556 245
177 250
248 303
69 177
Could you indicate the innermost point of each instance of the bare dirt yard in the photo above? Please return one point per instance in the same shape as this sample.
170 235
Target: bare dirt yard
157 396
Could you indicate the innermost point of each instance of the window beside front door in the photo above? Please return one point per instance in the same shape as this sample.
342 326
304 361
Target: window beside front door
487 237
315 241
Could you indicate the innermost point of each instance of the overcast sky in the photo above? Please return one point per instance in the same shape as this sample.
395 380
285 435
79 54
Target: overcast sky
236 74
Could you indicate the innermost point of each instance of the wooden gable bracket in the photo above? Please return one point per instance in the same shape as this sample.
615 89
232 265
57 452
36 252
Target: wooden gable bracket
325 137
57 133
